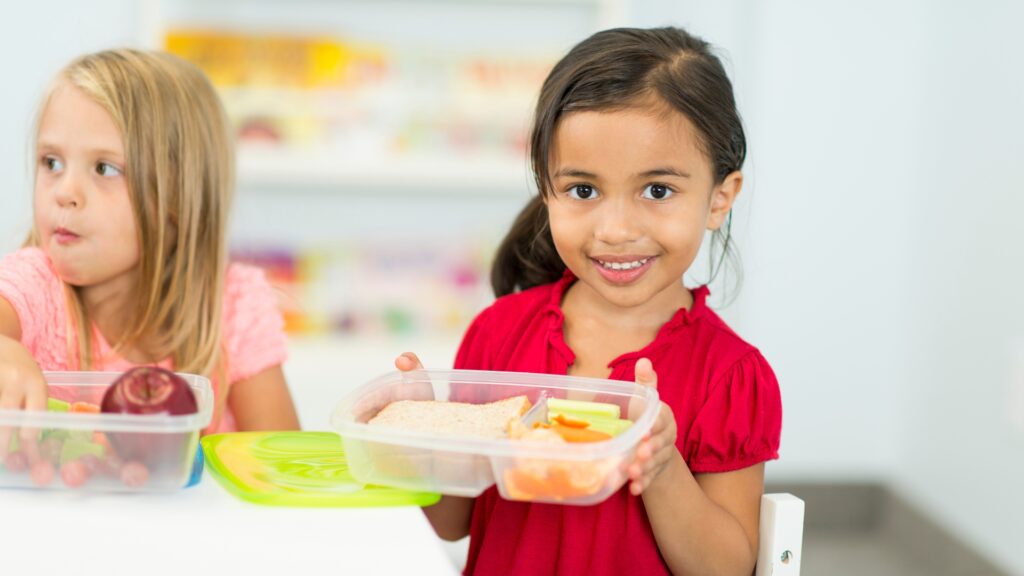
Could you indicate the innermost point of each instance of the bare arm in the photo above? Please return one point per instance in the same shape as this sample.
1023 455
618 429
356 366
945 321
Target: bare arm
21 381
706 524
449 517
263 402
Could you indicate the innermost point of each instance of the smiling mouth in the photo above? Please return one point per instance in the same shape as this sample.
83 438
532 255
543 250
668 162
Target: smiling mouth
630 265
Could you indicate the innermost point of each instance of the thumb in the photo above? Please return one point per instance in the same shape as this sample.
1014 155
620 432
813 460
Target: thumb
408 362
644 373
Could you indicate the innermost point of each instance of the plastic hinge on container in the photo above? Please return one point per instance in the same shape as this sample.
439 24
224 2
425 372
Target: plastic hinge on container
197 468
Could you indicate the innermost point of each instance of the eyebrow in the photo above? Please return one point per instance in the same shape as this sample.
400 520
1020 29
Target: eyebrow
662 171
101 152
575 173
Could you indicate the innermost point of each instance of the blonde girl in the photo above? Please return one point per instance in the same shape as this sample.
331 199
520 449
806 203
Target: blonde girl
126 261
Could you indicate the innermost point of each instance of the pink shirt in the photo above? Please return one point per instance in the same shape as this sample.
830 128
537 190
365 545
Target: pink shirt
253 328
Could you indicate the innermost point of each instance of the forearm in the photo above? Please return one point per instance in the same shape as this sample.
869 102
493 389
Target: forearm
263 402
450 517
694 534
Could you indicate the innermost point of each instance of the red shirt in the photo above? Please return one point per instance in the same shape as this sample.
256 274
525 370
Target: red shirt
727 407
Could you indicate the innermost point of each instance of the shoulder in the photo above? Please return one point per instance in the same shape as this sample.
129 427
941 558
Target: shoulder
249 299
704 338
240 277
32 288
253 323
246 286
28 274
520 307
31 259
511 325
536 298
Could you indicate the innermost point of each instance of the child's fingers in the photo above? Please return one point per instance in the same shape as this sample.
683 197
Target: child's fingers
35 399
407 362
644 373
5 442
10 399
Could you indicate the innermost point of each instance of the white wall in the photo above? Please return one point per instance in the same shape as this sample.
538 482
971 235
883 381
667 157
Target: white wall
35 41
964 450
884 279
827 94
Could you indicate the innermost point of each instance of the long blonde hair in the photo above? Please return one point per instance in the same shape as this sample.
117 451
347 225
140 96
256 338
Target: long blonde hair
179 167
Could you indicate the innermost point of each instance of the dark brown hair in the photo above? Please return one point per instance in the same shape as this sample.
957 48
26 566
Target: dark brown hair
616 69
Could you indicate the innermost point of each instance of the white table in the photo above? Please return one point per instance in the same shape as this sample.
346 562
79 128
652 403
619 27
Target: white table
205 530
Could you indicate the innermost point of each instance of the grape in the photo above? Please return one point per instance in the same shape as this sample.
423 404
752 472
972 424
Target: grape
42 473
74 473
16 461
134 474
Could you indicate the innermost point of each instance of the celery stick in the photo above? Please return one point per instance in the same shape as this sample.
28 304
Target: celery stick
610 426
75 448
582 408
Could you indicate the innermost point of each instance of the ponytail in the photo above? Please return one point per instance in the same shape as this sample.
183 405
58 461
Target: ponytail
527 255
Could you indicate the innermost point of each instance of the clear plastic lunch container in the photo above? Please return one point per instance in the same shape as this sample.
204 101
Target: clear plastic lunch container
569 473
92 451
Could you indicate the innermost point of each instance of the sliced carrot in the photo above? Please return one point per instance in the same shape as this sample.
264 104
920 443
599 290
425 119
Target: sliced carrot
101 439
84 407
570 422
570 434
524 483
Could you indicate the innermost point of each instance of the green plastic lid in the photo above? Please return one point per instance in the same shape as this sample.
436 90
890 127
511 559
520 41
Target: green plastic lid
296 469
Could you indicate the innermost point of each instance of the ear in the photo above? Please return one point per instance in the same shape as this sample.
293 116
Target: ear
722 198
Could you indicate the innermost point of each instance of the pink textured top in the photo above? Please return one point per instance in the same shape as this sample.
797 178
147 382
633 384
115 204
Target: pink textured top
253 328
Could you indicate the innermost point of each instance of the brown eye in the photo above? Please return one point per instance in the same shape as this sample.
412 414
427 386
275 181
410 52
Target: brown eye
104 169
52 164
657 192
583 192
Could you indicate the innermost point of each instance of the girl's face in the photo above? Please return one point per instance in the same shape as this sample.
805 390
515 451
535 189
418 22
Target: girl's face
632 196
83 212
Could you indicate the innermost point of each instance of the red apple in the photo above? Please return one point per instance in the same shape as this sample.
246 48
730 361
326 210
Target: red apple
155 391
149 390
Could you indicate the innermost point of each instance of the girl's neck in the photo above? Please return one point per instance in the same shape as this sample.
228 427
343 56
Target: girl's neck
598 331
580 300
109 307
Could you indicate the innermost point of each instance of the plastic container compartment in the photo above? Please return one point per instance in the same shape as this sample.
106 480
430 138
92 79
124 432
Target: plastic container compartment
578 473
165 445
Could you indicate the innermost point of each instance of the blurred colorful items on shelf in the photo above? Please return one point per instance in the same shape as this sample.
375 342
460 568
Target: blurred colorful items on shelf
364 288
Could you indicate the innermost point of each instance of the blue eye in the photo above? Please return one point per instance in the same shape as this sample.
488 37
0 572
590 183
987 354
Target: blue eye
582 192
52 164
657 192
109 170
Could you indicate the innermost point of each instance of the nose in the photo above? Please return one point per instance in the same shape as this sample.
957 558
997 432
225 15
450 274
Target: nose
68 191
618 221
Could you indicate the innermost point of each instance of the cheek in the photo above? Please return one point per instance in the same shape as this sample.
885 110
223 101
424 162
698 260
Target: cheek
567 231
125 231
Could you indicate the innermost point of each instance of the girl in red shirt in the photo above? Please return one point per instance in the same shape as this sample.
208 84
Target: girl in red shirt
636 150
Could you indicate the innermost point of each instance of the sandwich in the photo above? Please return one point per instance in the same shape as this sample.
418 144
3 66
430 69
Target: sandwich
459 418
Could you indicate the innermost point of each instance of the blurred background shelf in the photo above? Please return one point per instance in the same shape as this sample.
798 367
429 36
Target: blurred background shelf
267 169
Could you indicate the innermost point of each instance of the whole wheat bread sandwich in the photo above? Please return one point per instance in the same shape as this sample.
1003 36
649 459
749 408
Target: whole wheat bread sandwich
481 420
